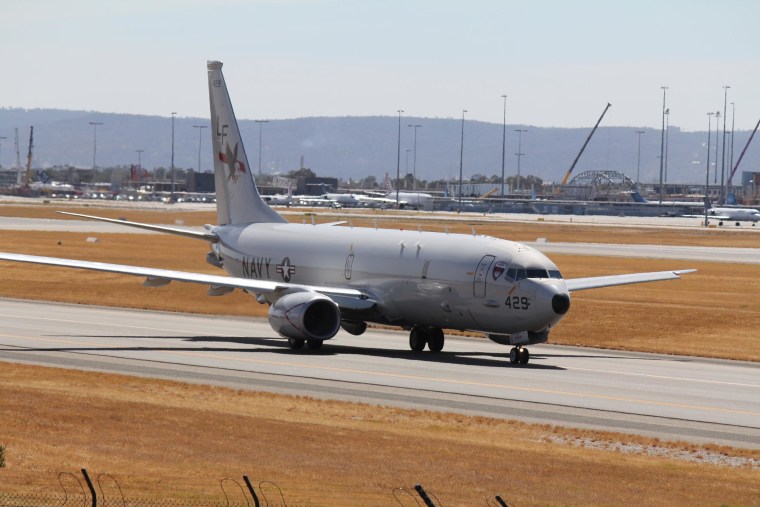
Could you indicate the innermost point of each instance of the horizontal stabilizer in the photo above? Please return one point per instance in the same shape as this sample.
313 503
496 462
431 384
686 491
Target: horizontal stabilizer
150 227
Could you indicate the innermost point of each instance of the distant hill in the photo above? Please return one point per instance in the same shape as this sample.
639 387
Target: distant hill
356 147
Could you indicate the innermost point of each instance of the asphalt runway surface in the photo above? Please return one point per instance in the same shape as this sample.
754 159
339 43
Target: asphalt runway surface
671 397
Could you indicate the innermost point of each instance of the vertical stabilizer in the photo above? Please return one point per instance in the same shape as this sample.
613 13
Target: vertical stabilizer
237 199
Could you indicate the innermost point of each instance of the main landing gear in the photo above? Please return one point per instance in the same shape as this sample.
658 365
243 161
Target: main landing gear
519 355
297 343
430 336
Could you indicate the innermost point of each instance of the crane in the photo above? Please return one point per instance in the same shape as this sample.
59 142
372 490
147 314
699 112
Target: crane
567 174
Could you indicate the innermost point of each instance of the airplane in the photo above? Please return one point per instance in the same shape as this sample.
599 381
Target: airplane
278 200
736 215
416 200
732 214
319 278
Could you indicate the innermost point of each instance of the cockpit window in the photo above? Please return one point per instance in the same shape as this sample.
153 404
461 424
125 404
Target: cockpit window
516 274
554 273
537 273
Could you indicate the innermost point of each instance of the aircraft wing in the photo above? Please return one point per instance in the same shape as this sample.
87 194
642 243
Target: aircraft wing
151 227
345 298
596 282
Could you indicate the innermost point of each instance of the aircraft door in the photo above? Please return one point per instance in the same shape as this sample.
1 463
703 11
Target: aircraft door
479 282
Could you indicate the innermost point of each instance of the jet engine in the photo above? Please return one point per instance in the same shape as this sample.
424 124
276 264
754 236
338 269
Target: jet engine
305 316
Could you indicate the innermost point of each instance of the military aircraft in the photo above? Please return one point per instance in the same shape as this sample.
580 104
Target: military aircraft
317 279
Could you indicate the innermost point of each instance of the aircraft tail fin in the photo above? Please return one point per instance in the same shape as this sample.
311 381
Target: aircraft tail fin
731 199
637 197
708 203
237 199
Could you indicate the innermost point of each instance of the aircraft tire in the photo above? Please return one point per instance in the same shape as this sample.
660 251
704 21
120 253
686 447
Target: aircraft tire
524 356
314 344
514 355
417 339
296 343
435 340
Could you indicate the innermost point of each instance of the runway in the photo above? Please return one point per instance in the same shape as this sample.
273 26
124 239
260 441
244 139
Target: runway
685 398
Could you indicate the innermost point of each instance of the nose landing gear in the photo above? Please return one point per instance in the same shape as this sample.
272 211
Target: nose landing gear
519 355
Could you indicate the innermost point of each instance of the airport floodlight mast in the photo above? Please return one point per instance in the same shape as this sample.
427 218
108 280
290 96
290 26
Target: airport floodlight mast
667 132
503 143
715 173
461 163
172 196
398 157
723 190
200 142
662 141
261 127
731 156
94 141
638 160
139 165
414 160
707 169
519 154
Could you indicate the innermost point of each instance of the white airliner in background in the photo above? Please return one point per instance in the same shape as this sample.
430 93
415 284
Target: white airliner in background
733 214
319 278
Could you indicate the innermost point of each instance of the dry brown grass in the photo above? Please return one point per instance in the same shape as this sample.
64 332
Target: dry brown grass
152 433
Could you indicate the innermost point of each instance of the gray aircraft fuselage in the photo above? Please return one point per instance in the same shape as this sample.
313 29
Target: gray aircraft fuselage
415 278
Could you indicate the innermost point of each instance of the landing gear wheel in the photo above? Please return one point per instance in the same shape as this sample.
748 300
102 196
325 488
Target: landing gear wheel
524 356
314 344
296 343
417 339
435 340
514 355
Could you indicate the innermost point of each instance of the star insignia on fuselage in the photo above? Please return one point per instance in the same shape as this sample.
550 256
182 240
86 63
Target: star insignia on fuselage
285 269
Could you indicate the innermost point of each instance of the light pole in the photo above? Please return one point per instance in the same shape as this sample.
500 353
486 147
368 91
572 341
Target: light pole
731 155
200 140
261 127
707 170
519 154
461 160
398 157
172 196
414 160
723 151
662 140
638 160
667 132
503 143
406 166
139 165
717 124
94 141
1 148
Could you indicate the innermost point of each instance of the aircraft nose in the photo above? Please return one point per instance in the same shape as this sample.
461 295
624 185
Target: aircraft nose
560 303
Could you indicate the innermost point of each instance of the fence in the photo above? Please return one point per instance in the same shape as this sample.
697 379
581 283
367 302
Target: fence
105 491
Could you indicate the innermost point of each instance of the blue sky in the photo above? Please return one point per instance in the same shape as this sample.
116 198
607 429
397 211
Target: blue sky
559 62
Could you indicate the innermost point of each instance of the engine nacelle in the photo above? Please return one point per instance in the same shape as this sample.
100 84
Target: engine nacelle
305 316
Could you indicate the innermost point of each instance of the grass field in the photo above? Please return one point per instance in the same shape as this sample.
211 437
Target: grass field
171 439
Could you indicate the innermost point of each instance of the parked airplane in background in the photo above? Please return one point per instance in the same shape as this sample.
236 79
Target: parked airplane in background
732 214
319 278
280 200
416 200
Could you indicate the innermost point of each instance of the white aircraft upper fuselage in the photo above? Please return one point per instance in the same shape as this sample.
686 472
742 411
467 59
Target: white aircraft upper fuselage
319 278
